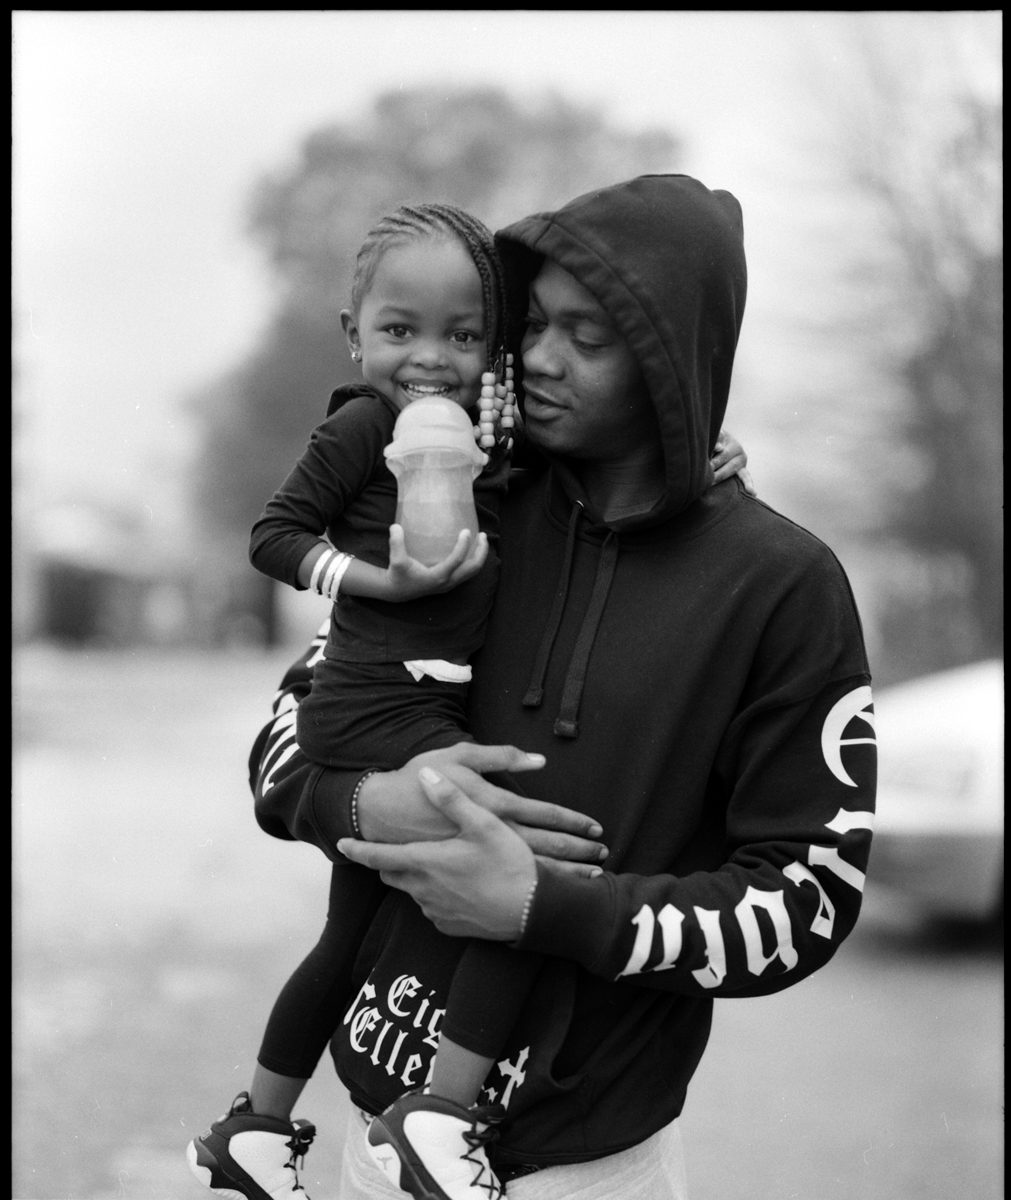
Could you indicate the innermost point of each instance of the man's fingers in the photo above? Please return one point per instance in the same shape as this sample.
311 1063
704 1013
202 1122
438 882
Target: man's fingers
454 804
580 870
379 856
540 814
563 847
497 758
521 810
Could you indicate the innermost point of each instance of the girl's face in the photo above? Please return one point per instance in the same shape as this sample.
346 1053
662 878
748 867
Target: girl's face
420 325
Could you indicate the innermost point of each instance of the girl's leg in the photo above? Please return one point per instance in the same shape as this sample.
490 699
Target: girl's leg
256 1149
274 1095
489 986
313 1000
423 1142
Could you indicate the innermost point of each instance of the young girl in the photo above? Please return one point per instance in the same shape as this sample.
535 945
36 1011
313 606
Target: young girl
427 318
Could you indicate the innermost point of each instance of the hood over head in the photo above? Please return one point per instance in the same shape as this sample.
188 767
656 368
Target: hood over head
664 255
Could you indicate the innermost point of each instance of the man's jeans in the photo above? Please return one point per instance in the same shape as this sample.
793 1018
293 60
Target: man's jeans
653 1170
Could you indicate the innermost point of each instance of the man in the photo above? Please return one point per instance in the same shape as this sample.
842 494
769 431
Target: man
689 664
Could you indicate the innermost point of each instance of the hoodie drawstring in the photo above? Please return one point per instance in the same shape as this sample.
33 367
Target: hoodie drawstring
535 689
567 722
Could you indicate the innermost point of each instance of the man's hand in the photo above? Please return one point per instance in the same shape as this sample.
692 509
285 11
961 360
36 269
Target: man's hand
394 806
472 884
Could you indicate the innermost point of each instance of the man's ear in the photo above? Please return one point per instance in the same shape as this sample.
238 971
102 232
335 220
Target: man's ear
350 332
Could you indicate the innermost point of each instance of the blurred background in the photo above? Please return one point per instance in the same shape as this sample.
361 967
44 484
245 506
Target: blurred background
188 193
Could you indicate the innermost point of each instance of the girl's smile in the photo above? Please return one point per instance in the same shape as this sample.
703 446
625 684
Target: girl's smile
420 327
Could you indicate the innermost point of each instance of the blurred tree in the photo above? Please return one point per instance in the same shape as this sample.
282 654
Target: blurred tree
918 139
480 149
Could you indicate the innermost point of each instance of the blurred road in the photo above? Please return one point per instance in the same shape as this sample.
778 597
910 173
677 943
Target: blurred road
154 923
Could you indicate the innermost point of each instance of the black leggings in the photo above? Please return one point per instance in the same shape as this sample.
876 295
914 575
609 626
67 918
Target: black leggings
489 986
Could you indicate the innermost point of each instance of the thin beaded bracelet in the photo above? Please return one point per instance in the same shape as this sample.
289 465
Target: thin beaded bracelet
527 906
355 827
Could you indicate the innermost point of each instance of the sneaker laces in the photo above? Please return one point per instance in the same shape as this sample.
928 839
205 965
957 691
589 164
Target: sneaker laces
477 1138
299 1145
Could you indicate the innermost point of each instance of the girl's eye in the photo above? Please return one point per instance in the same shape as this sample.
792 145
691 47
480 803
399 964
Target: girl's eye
397 331
464 337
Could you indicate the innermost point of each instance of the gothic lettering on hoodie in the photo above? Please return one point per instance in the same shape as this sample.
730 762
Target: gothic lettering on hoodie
668 921
397 1031
854 704
760 908
281 744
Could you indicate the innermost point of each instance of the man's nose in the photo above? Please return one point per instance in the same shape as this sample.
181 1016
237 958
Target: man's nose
541 356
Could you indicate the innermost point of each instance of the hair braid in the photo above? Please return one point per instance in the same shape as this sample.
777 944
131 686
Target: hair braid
412 222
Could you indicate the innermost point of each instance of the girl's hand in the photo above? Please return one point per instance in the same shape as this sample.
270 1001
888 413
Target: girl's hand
730 459
406 578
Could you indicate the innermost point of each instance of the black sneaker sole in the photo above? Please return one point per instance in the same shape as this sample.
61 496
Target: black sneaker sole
208 1170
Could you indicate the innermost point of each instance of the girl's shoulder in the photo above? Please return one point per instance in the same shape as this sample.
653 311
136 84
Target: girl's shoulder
359 402
358 424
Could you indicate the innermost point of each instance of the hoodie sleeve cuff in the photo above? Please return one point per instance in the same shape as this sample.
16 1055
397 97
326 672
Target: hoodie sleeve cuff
330 807
570 917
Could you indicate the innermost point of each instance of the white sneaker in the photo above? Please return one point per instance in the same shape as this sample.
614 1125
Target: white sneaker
434 1149
245 1156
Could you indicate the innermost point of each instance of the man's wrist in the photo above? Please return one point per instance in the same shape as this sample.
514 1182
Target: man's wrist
354 804
528 905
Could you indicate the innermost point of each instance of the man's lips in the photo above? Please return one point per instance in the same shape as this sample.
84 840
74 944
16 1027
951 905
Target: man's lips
541 402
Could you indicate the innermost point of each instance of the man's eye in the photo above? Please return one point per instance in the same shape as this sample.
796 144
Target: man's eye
534 324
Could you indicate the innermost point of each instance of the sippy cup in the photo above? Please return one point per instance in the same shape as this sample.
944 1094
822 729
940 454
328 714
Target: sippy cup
435 461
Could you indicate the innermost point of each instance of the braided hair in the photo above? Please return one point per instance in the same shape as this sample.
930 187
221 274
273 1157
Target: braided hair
414 222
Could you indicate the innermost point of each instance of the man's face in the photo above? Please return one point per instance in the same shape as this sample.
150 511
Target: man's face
585 395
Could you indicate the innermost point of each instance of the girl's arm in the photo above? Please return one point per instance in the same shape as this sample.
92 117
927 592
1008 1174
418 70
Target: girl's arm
299 800
326 570
332 471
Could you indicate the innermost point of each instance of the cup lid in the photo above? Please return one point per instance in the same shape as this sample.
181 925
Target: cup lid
434 423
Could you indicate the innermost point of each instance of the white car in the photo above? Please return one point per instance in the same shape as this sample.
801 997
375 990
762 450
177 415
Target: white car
939 833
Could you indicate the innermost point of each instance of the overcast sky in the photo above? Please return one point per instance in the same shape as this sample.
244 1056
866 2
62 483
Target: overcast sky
137 137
